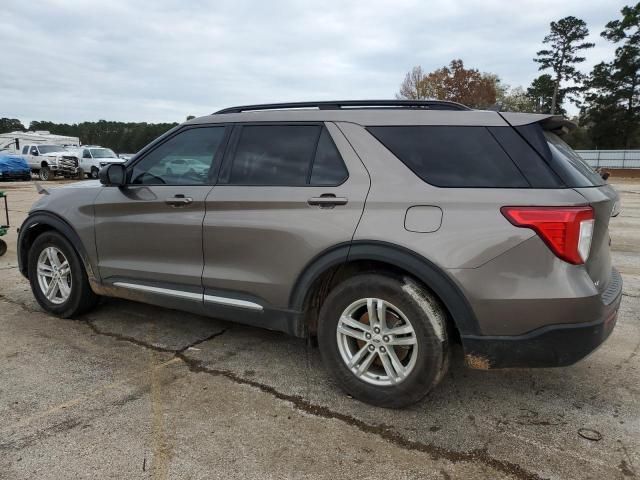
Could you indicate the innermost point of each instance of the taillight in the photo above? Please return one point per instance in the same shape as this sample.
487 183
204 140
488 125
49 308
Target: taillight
566 230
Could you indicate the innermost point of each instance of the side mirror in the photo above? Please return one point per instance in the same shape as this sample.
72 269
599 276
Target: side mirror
113 175
605 175
34 153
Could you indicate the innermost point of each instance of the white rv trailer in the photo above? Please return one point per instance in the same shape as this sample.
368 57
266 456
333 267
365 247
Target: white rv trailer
13 141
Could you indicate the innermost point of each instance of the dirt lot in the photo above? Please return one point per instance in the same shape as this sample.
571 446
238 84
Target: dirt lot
133 391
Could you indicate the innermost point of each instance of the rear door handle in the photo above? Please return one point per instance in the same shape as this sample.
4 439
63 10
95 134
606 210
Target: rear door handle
178 201
327 200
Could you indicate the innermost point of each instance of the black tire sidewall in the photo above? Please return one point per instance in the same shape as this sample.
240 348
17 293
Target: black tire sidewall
79 282
431 350
47 171
94 173
3 247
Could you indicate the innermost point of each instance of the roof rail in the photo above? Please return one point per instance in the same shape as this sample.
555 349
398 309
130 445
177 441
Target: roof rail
339 104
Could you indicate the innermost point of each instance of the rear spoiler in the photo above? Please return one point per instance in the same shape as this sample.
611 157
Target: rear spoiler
553 123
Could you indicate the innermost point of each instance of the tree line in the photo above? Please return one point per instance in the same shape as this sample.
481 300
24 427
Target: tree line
121 137
608 97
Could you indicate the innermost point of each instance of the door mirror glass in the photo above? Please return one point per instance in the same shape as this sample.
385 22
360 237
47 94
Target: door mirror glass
113 175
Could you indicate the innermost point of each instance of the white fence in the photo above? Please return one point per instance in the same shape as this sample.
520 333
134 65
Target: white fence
611 158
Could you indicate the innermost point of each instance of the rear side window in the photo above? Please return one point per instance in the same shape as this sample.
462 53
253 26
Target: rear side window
452 156
530 163
328 167
274 154
284 155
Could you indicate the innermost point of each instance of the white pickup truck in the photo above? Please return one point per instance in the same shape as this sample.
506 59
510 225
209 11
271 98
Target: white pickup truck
93 158
50 160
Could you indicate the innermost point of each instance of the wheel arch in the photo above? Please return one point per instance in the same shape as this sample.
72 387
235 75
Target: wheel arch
316 279
40 222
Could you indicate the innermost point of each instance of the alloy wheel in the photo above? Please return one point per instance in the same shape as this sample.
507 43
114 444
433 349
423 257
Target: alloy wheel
377 342
54 275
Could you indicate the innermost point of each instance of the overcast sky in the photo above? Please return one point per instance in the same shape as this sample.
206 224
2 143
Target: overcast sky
161 60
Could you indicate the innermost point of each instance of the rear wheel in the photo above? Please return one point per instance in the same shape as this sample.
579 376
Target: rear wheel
57 276
384 339
3 247
44 173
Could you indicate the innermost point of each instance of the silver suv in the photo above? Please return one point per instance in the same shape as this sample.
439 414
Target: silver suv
386 230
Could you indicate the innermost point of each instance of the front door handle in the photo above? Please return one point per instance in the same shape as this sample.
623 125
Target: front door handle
327 200
178 201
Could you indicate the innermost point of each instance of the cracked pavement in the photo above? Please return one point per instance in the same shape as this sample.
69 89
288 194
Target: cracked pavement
134 390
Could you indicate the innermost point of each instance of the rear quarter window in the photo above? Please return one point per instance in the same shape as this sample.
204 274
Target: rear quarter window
452 156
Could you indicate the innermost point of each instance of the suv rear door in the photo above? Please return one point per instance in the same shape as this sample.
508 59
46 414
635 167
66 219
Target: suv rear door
286 193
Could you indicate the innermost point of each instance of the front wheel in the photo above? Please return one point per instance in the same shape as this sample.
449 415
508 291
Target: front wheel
3 247
57 276
44 173
384 339
94 173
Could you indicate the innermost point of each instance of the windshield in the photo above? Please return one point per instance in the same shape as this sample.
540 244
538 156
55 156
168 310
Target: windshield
44 149
102 153
582 174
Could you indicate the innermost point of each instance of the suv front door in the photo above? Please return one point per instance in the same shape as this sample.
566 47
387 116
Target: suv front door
149 232
285 194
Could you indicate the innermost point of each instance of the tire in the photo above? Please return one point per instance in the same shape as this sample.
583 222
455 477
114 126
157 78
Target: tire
80 297
44 173
3 247
407 306
94 173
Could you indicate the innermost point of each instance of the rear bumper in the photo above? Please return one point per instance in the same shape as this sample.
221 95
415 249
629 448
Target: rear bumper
549 346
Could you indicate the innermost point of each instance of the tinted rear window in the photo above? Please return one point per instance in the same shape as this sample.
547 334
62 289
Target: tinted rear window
566 163
581 174
452 156
530 163
328 166
284 155
274 154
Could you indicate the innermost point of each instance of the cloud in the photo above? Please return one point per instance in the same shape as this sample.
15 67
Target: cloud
70 61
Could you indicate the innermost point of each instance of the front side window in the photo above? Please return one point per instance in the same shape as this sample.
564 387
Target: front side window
184 159
273 154
86 153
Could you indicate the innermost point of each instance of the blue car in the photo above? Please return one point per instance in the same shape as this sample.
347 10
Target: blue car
13 167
